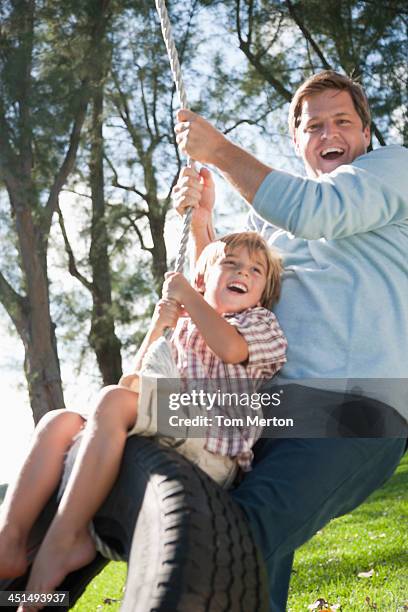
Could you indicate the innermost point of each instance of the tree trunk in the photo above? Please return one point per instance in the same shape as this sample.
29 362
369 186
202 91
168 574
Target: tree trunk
159 254
102 336
36 329
157 217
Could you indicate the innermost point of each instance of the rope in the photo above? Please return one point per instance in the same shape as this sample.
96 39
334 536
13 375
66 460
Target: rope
171 51
178 80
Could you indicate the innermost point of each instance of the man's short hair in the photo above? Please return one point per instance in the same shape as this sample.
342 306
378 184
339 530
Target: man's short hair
328 79
254 243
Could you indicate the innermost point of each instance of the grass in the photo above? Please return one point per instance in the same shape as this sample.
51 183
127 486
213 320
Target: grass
105 591
372 540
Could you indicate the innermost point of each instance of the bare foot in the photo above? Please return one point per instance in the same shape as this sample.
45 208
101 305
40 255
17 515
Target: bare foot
57 557
13 554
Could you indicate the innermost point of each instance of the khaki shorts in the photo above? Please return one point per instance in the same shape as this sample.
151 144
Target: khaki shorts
221 468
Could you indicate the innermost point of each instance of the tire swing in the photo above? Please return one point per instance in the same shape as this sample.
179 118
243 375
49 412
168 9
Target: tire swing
187 542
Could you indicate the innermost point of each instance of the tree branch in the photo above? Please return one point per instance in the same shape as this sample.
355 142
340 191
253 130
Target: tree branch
8 159
378 134
124 112
126 228
248 122
309 56
307 34
145 109
265 72
13 302
77 193
273 40
245 46
176 149
72 267
238 23
139 235
70 156
154 106
250 21
116 183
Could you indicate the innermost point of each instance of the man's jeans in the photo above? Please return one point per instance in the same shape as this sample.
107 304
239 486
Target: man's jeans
298 485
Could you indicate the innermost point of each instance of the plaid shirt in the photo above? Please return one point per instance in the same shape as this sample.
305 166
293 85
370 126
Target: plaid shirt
197 362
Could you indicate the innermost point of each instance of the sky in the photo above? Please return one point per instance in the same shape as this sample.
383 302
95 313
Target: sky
16 421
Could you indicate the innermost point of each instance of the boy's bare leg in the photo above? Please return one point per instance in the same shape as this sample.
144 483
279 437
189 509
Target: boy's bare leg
33 487
68 544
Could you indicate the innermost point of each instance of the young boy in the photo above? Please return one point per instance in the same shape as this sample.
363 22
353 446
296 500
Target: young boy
228 333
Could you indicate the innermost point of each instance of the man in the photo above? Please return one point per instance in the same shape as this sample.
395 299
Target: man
343 232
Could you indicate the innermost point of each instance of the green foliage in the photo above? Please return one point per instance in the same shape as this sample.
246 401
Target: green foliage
366 40
286 41
42 78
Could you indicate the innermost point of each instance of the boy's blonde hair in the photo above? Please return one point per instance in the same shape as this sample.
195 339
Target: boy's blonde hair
254 243
328 79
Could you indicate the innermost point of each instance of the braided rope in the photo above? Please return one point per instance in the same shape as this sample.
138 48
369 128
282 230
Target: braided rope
171 51
178 80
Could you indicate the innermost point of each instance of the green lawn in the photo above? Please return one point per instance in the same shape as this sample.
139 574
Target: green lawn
374 537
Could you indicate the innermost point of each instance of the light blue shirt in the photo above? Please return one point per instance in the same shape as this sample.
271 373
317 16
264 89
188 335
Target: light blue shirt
344 303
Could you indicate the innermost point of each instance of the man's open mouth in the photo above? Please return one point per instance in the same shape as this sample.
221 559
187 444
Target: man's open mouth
238 288
332 153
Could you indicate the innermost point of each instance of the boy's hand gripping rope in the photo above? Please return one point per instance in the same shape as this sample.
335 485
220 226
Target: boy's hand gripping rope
176 71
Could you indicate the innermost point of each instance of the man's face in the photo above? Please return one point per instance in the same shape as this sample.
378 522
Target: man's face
330 132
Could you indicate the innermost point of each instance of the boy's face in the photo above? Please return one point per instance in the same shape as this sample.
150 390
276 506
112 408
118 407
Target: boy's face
330 132
236 281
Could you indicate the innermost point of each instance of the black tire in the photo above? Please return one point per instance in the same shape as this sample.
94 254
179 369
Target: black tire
188 544
192 550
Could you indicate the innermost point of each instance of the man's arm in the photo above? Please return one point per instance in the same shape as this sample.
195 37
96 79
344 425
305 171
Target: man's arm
204 143
362 196
368 194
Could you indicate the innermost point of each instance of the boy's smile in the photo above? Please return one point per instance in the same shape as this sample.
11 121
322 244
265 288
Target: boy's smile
330 132
236 281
